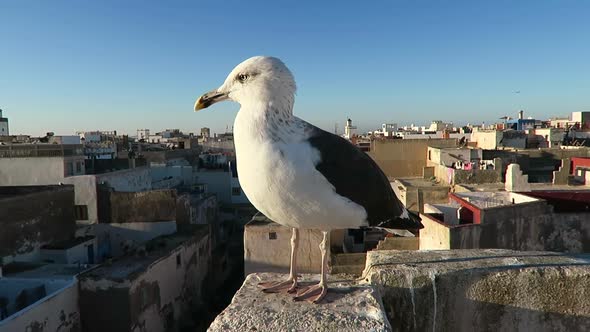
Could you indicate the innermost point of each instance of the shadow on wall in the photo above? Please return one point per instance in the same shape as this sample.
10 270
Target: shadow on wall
528 297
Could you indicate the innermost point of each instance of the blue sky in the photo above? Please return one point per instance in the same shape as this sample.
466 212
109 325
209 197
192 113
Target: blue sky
123 65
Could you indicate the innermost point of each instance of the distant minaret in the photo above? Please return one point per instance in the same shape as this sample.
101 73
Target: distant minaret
349 129
3 125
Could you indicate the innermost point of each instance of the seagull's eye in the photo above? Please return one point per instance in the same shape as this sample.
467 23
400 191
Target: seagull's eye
242 78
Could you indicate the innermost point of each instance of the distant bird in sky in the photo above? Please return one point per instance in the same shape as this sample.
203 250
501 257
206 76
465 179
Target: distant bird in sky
297 174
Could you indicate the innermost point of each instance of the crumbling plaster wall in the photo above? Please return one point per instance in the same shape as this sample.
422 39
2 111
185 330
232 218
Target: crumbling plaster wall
58 311
29 221
146 206
129 180
162 294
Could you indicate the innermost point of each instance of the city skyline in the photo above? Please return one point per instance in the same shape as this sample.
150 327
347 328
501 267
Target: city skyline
113 66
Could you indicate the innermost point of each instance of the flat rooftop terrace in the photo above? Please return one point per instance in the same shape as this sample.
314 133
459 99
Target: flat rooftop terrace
42 270
131 266
420 183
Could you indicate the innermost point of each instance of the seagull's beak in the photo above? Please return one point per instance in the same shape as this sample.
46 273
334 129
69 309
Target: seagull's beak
209 99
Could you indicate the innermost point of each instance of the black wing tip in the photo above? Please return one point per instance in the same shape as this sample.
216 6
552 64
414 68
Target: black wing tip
412 222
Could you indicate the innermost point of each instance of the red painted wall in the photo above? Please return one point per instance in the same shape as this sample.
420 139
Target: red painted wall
466 205
579 161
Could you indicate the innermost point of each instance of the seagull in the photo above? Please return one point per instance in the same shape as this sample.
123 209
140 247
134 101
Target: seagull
298 175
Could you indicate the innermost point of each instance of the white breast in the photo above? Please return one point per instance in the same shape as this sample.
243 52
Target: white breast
281 181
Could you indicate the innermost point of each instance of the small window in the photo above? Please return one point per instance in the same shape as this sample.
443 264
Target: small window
70 170
178 261
81 212
272 235
429 155
236 191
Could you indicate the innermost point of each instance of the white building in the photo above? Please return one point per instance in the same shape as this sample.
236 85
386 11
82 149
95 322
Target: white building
143 134
549 137
223 183
388 129
349 129
39 164
3 125
65 139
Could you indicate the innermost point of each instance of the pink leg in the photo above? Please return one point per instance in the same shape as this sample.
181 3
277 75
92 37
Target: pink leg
290 285
317 292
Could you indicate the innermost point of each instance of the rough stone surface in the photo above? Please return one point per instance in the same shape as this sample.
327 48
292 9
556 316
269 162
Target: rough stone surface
482 290
347 307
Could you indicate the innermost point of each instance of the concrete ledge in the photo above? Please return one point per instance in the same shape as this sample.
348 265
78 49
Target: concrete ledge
482 290
347 307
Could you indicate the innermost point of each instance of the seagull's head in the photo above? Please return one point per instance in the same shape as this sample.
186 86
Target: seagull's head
260 79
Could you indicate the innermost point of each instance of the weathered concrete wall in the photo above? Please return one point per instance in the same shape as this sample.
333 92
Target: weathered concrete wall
32 219
129 180
449 156
103 304
114 239
563 232
444 174
267 248
172 288
164 176
562 175
57 311
196 209
76 254
487 139
404 157
434 235
516 180
482 290
218 182
86 195
145 206
153 291
477 176
408 194
31 171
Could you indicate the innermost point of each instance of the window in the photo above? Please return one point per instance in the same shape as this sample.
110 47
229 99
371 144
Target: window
235 191
81 212
429 155
272 235
70 170
178 261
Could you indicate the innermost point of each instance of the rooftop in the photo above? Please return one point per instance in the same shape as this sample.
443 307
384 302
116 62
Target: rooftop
7 192
40 150
421 183
67 244
130 267
259 220
565 200
42 270
484 200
